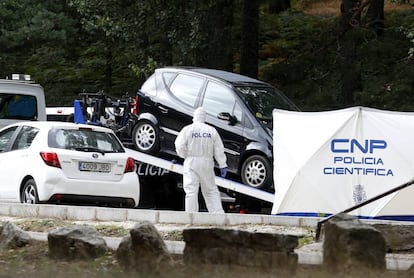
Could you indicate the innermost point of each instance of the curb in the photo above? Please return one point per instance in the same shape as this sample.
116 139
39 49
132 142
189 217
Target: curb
309 254
87 213
174 247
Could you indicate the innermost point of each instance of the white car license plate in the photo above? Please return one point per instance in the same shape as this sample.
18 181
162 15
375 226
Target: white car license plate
95 167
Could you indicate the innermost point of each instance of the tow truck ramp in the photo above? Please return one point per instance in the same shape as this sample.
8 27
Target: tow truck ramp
224 183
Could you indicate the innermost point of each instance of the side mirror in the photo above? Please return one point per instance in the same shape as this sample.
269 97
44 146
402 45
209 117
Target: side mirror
225 116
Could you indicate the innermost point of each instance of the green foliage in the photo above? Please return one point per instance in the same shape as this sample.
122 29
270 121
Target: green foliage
27 26
305 64
307 69
72 46
305 240
145 71
387 69
408 29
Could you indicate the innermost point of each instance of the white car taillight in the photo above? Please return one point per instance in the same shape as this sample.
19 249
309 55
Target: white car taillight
130 165
51 159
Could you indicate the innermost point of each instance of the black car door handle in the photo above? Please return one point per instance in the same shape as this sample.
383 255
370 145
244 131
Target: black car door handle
163 109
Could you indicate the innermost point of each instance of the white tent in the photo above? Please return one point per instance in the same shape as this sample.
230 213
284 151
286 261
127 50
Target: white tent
326 162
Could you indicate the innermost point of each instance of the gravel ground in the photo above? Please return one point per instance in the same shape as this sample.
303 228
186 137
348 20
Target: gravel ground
167 230
308 249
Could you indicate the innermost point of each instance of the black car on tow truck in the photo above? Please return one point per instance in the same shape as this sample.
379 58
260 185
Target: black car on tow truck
239 107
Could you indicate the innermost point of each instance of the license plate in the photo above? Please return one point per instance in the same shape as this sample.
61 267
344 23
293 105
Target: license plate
95 167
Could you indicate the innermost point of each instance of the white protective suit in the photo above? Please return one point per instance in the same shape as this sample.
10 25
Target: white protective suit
199 144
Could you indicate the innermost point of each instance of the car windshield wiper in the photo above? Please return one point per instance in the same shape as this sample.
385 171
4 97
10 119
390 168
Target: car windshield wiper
90 149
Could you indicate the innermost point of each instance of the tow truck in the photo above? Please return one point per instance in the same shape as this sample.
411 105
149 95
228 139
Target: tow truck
237 195
21 99
160 175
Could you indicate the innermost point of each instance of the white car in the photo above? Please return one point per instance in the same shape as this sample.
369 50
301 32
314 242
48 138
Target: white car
58 162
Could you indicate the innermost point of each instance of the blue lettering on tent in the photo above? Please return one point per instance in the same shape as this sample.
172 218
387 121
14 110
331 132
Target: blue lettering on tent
352 145
357 171
358 160
352 163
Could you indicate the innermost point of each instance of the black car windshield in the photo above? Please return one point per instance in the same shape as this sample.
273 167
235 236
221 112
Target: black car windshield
262 101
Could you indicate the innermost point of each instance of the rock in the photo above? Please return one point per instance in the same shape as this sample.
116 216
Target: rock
350 245
144 250
76 242
235 248
410 271
11 236
125 254
399 238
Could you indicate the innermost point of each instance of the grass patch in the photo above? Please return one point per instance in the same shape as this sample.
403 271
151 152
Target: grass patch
176 235
47 225
112 230
42 225
106 230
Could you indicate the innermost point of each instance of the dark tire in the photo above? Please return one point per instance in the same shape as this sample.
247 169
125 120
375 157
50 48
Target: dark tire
257 172
29 193
145 137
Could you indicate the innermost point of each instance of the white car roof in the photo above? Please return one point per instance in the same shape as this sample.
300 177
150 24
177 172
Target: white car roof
50 124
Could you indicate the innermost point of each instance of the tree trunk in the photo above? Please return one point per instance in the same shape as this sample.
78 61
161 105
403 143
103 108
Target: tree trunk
375 16
349 41
220 36
108 67
249 52
165 46
350 67
277 6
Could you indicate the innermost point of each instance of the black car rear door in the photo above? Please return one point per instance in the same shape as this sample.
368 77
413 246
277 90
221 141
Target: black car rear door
175 107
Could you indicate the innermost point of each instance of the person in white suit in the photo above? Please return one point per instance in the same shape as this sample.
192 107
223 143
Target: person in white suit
200 144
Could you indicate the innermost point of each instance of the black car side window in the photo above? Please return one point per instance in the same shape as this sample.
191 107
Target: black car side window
220 99
186 88
5 137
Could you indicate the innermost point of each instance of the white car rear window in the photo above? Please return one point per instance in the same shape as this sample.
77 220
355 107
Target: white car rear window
84 140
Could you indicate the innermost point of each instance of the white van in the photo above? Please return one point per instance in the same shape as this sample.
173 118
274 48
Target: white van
21 100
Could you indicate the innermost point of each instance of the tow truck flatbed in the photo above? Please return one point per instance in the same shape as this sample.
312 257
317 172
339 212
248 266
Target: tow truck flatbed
221 182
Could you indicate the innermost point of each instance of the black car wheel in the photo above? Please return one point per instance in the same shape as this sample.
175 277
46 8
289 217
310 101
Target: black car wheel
145 137
257 172
29 193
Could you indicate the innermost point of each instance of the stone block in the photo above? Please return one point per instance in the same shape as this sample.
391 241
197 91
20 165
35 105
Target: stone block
399 238
240 248
350 245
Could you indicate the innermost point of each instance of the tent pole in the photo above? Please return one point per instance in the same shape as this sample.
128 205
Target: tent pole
319 225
